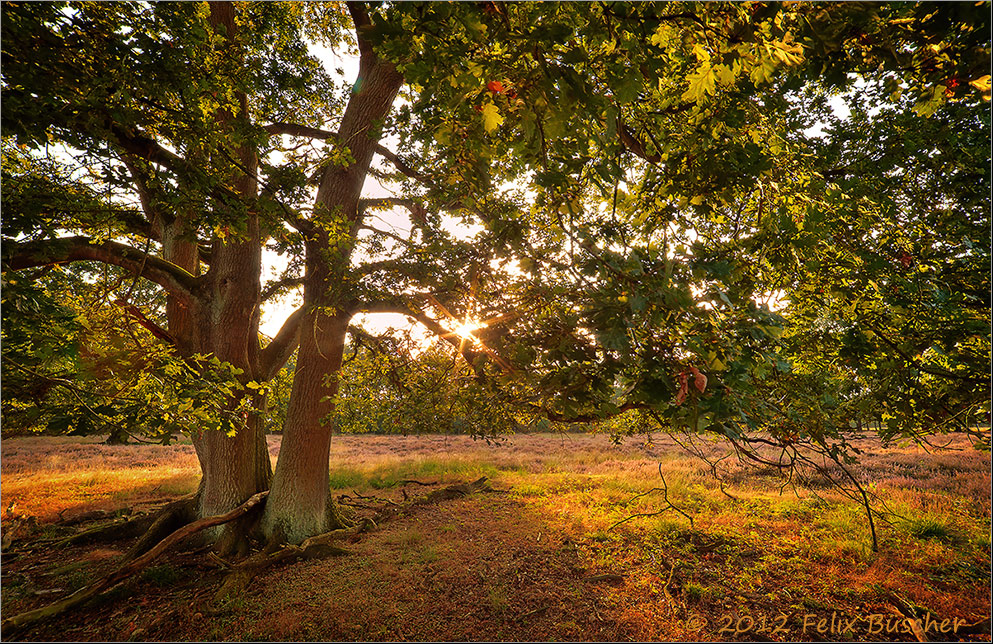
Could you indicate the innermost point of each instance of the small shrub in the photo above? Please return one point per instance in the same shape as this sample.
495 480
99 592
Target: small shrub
694 592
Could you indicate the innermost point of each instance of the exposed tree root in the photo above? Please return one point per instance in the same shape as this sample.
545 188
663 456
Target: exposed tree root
322 545
86 517
313 548
172 517
150 527
126 570
123 529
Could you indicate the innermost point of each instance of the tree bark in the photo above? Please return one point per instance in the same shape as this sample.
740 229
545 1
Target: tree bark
300 504
234 467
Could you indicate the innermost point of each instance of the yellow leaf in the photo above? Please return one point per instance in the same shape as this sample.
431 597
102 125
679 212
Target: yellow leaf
701 53
725 75
660 37
491 117
697 200
701 83
982 83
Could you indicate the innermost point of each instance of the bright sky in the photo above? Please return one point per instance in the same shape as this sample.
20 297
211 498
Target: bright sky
396 221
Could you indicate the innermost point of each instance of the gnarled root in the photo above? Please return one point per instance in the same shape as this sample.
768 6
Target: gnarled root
172 517
316 547
151 528
129 568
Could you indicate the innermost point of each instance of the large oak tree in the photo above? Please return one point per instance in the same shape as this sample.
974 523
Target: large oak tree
641 175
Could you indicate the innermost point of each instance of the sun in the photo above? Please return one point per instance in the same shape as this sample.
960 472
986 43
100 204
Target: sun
464 330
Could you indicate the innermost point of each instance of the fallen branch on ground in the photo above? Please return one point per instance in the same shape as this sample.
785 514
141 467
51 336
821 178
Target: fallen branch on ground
665 497
123 572
452 492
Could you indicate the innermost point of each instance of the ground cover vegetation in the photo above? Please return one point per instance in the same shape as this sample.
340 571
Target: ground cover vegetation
544 559
676 228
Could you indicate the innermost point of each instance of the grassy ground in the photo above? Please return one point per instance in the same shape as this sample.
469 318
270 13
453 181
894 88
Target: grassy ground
540 558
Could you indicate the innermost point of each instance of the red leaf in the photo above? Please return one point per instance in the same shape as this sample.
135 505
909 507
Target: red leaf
495 86
699 380
683 388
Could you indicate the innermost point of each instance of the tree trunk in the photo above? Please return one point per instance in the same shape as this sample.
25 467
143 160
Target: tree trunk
225 323
300 504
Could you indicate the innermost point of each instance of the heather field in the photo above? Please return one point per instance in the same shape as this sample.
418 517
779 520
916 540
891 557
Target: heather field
539 555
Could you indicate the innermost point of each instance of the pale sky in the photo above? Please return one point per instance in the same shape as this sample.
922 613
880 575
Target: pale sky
396 221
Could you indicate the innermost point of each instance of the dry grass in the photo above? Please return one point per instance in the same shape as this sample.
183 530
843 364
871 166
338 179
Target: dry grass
512 565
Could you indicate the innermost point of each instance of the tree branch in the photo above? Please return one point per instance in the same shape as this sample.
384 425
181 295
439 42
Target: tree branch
174 279
275 287
397 238
305 131
418 213
275 354
427 321
360 16
635 146
294 129
143 320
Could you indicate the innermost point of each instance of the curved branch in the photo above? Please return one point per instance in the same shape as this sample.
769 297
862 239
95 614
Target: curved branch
276 353
305 131
401 165
295 129
360 16
172 278
425 320
274 288
143 320
459 342
386 233
382 203
634 145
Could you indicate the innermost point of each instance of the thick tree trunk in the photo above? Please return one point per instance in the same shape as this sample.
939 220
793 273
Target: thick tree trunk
300 504
224 322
